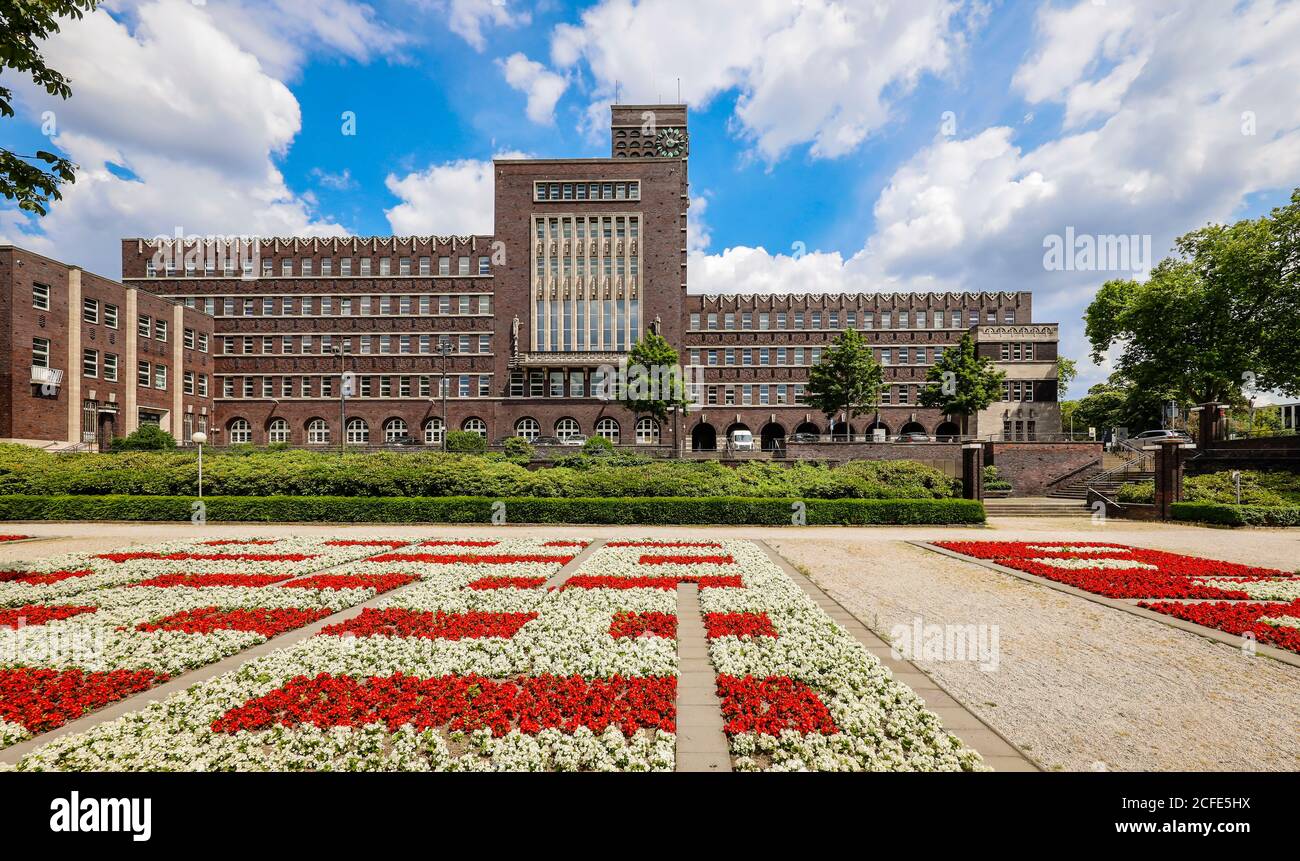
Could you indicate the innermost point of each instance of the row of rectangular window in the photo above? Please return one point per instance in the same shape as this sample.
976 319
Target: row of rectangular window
587 190
365 306
366 344
833 319
457 385
805 357
1018 352
764 394
307 268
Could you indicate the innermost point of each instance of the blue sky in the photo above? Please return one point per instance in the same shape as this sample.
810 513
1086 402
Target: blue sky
835 144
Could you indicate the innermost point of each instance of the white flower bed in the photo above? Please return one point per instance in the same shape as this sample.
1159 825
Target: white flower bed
1094 564
1261 590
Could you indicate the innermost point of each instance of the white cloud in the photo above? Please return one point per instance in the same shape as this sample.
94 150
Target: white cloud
455 198
186 115
282 33
818 71
467 18
542 86
1166 155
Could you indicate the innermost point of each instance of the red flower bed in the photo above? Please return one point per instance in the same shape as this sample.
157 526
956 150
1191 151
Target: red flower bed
1238 618
601 581
452 542
262 620
14 537
379 582
566 543
462 703
37 614
42 700
207 557
738 625
484 583
1174 575
212 581
686 560
345 542
771 705
35 578
399 622
236 542
471 558
663 544
644 625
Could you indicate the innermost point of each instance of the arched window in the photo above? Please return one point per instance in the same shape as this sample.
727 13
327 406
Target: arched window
647 432
433 431
567 428
277 431
394 429
240 432
358 432
475 425
608 428
528 428
318 432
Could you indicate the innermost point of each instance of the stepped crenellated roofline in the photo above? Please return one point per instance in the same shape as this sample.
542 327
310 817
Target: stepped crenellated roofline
321 243
807 300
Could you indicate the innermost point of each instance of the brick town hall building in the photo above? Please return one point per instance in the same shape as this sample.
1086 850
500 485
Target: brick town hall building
587 254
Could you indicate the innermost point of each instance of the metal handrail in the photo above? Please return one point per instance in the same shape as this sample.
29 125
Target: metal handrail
1140 459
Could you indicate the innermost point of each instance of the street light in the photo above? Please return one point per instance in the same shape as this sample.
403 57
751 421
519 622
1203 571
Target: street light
345 389
199 438
444 351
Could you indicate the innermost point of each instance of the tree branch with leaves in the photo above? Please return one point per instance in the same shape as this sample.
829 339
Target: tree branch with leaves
33 180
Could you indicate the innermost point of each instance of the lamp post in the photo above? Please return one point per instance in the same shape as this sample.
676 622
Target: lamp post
444 351
345 389
199 439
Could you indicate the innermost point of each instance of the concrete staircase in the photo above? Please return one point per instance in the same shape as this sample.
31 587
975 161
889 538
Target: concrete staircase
1035 506
1109 485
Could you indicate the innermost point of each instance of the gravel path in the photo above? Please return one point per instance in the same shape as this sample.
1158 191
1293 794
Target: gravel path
1077 684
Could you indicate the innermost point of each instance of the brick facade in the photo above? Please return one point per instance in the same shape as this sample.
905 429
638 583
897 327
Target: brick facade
586 255
80 368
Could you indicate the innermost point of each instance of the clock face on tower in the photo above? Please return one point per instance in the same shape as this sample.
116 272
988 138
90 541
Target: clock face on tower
671 143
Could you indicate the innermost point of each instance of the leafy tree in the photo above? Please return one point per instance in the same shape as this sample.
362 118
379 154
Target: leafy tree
655 381
145 438
962 383
1222 314
517 448
1066 371
26 23
847 380
1118 403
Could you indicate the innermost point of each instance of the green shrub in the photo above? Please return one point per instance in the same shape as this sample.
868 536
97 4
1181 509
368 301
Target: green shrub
428 474
1236 515
667 510
1269 489
145 438
465 442
516 448
993 479
597 446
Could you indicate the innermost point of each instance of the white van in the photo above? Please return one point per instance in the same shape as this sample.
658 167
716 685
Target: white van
742 440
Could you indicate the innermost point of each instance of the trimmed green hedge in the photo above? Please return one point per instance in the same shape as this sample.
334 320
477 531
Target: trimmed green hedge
30 472
1236 515
467 509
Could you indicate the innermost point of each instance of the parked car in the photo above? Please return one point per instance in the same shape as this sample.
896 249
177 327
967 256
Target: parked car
805 437
742 440
543 441
1156 435
576 439
404 442
914 436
